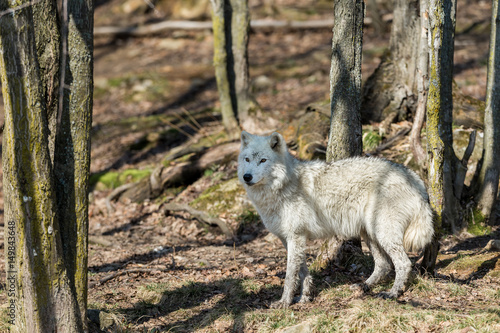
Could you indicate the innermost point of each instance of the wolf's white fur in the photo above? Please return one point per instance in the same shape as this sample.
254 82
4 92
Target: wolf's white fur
383 202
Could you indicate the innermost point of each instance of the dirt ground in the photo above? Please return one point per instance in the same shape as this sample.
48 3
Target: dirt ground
157 271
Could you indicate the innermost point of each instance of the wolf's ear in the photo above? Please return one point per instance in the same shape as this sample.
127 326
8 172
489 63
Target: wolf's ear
277 142
245 138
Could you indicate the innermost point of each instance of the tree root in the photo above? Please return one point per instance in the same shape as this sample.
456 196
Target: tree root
200 216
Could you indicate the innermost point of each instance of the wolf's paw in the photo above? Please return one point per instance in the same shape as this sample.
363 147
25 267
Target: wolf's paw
360 287
302 299
386 295
279 305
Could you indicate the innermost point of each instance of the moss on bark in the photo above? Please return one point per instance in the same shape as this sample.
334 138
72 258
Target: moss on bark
50 293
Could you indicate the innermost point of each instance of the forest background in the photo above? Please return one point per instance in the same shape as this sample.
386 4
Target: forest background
156 103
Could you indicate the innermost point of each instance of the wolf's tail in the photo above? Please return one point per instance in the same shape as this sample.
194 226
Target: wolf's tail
420 230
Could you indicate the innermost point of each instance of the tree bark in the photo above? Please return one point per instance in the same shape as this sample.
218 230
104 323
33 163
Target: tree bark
489 173
240 26
40 295
422 77
441 157
46 160
392 87
221 68
48 41
231 22
72 144
345 137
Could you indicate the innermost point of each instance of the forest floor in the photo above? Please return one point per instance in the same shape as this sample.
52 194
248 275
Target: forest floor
151 270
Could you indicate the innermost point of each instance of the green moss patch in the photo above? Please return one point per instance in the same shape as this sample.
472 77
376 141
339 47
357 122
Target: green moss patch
113 179
477 224
221 198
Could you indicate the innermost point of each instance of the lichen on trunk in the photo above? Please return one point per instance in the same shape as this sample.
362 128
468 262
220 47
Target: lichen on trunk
47 213
72 146
231 23
45 303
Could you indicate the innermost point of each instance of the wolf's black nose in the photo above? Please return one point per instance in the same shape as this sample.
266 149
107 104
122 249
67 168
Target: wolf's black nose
247 177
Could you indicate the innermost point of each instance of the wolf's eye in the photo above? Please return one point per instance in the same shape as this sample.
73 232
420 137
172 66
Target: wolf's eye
263 160
247 159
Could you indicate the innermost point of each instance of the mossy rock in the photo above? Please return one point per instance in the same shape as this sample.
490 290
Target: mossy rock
466 265
225 197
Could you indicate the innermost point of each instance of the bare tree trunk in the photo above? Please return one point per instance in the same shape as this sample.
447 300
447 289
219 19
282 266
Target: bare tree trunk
489 173
72 144
240 26
441 157
392 87
222 70
345 97
40 294
231 22
46 160
345 81
422 78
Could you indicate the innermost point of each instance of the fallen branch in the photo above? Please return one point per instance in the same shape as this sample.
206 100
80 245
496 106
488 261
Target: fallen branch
391 141
493 245
114 194
182 173
127 271
99 241
200 216
156 28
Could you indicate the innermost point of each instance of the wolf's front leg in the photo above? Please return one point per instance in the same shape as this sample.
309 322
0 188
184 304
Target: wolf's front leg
296 247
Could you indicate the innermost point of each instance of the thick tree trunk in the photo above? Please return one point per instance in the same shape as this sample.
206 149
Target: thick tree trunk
40 295
345 81
72 145
46 160
392 87
345 138
442 15
441 157
489 173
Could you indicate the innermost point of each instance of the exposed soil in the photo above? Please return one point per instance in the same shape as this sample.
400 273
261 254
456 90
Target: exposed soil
155 271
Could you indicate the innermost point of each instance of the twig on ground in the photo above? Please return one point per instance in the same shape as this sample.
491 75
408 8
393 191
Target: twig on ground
391 141
114 194
131 270
200 216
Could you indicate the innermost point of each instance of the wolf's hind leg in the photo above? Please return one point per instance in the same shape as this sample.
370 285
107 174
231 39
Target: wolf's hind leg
402 266
382 263
306 283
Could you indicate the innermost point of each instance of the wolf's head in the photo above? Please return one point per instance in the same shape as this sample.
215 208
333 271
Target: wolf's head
263 160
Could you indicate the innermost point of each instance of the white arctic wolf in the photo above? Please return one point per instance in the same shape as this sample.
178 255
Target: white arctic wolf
383 202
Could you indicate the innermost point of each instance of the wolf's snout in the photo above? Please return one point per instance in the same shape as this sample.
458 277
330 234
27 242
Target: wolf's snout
247 177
